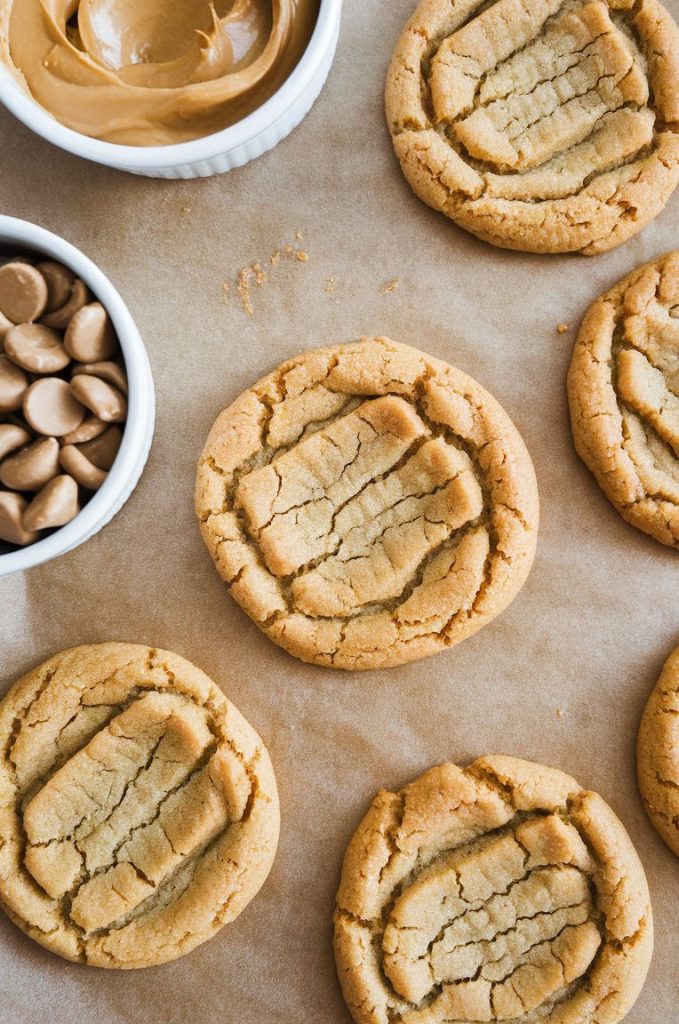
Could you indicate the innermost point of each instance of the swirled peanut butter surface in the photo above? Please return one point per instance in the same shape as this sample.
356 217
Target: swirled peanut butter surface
146 72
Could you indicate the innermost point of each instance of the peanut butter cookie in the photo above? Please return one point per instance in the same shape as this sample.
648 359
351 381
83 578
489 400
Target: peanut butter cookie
623 389
549 126
368 505
658 754
499 892
138 809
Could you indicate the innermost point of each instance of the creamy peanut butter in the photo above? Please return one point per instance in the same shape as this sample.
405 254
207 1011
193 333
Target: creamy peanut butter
153 72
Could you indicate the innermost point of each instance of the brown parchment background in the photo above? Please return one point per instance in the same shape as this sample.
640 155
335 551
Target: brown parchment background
588 633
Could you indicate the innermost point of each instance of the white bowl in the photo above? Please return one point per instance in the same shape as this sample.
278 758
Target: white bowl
138 428
213 154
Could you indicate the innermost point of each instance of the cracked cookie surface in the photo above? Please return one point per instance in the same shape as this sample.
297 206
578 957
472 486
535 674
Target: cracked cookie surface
543 125
623 391
138 809
658 754
501 892
368 505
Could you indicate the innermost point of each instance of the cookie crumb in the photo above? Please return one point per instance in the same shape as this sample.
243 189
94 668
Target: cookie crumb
559 712
244 290
226 288
562 328
330 286
260 275
256 273
391 286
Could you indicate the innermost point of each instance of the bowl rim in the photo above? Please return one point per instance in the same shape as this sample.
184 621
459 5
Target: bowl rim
138 428
142 158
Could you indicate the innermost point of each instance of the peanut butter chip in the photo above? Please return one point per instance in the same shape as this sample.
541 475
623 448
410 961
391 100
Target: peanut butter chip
108 371
12 437
59 280
51 407
80 468
13 384
102 450
100 398
36 348
55 505
23 292
89 335
50 442
12 529
5 326
32 467
61 317
87 431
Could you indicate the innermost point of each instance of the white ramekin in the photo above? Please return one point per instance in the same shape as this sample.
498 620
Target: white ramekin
214 154
138 429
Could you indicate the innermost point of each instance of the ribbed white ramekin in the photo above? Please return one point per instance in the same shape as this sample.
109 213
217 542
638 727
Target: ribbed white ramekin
124 474
214 154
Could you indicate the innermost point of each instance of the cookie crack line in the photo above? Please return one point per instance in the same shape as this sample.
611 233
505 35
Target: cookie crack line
622 390
657 754
475 908
396 528
549 129
463 900
114 861
137 801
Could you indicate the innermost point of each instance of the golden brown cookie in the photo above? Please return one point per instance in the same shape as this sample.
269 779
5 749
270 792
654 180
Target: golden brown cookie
623 390
368 505
658 754
138 808
501 892
549 126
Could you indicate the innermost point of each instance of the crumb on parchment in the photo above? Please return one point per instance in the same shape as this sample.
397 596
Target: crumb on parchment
243 289
562 328
255 272
391 286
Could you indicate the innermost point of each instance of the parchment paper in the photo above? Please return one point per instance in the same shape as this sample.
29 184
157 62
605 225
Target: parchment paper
587 635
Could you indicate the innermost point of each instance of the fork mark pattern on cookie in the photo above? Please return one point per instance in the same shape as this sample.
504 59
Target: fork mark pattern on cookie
139 810
624 396
501 892
658 754
367 505
549 127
